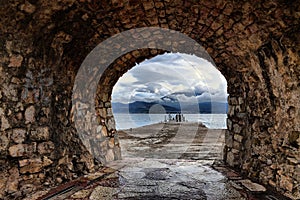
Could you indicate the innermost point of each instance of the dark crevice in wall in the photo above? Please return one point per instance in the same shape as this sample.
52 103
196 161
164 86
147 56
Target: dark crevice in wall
262 56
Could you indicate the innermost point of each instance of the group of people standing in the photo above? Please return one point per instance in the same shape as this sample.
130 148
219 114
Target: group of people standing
178 117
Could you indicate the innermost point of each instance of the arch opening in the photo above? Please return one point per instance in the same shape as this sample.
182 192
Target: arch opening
164 95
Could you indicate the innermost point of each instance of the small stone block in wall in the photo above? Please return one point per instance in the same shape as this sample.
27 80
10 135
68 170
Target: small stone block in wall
45 147
231 159
231 110
30 114
4 142
237 128
236 145
111 143
240 100
241 115
253 187
286 182
31 165
34 165
109 112
238 138
20 150
233 101
111 124
18 135
229 124
229 139
15 61
102 131
40 134
4 124
13 180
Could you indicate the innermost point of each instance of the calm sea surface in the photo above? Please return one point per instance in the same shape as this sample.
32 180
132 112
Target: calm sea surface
126 121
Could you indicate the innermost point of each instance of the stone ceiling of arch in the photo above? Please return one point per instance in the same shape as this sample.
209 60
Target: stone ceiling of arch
227 29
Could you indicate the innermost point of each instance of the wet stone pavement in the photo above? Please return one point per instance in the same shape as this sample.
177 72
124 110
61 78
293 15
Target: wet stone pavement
155 179
147 178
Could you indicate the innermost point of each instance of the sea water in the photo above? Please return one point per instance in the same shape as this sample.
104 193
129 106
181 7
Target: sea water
127 121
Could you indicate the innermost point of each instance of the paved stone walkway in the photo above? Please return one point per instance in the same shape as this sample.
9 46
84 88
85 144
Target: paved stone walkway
151 171
155 179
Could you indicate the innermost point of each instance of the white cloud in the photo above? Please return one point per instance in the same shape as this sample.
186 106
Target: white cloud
171 73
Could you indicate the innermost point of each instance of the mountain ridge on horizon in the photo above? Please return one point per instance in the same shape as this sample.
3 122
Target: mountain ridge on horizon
170 107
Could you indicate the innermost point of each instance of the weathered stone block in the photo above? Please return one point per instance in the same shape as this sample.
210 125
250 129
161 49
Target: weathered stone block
102 112
237 128
4 142
104 131
45 147
20 150
15 61
47 161
30 165
238 138
107 104
2 110
109 112
3 180
286 182
236 145
233 101
33 165
235 151
12 184
40 134
253 187
240 100
111 124
293 161
229 139
231 110
148 5
111 143
229 124
18 135
30 114
231 159
241 115
28 7
4 123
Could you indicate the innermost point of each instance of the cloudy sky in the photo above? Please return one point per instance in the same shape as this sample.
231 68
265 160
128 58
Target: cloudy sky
180 76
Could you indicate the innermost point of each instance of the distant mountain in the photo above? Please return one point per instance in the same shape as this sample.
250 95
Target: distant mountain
170 107
209 107
144 107
120 107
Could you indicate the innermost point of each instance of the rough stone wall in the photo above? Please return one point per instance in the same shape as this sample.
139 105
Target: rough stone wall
43 43
263 125
107 128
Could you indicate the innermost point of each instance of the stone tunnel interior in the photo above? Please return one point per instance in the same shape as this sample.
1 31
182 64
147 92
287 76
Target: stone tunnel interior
44 43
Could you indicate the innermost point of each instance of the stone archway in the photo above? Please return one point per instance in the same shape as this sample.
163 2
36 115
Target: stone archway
255 46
